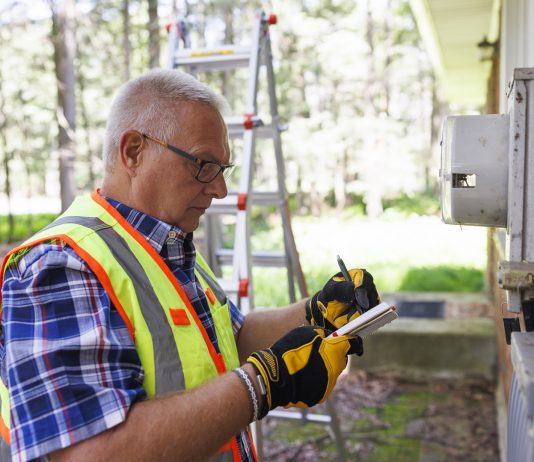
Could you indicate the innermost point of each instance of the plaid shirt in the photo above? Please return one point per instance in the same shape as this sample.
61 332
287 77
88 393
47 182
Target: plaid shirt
72 368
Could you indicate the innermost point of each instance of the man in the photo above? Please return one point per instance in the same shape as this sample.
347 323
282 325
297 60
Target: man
117 343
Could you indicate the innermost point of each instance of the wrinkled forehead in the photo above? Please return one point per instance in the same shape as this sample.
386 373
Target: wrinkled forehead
194 115
199 126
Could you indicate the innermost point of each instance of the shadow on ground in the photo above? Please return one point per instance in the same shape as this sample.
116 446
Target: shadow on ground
386 419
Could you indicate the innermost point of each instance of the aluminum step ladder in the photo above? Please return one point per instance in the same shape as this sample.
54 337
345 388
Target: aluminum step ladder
249 127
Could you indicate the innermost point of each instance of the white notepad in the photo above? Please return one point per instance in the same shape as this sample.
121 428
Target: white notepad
368 322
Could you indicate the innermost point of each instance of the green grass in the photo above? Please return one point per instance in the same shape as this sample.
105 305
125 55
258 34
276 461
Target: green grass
393 444
408 253
418 203
443 279
414 253
23 228
383 427
271 284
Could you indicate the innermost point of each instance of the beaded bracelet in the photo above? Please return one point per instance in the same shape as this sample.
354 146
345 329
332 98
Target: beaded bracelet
251 392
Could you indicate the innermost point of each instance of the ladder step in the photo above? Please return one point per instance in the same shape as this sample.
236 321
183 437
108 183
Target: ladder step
306 417
266 198
233 287
235 201
238 124
270 258
246 121
229 286
209 59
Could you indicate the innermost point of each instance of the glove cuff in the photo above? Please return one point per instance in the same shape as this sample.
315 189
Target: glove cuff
307 308
313 314
275 377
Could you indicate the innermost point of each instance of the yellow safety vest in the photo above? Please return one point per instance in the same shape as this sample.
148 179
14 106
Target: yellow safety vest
173 346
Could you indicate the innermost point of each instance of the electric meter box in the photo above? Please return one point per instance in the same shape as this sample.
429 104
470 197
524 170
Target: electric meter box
474 170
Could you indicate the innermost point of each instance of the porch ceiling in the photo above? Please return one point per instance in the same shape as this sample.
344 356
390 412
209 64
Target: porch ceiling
450 30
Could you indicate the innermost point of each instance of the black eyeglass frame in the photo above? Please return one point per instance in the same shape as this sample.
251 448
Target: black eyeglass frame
199 162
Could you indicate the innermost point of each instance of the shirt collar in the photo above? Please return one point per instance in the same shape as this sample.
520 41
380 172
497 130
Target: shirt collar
169 241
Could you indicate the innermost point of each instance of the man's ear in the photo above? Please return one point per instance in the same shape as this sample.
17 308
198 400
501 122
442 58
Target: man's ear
130 148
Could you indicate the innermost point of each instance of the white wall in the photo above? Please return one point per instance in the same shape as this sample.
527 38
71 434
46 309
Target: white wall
517 41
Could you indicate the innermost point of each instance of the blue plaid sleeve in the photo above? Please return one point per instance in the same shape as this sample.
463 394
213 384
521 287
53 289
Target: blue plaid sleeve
237 317
71 365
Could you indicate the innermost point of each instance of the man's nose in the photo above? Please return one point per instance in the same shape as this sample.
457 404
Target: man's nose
217 188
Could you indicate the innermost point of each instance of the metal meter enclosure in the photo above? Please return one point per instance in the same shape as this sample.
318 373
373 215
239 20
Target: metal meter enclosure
474 170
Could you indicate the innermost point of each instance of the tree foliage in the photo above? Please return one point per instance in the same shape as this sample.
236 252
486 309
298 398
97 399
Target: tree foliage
353 82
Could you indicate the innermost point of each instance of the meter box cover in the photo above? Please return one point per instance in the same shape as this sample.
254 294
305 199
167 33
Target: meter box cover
474 170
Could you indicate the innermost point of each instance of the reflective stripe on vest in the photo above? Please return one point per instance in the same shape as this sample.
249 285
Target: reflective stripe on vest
149 299
5 451
4 414
168 374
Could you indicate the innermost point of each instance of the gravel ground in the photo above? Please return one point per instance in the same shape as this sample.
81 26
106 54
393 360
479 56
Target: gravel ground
386 419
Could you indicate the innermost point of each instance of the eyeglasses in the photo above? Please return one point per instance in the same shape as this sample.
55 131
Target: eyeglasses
207 171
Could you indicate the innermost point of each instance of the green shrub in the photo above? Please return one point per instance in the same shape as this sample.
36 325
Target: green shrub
443 279
270 284
22 228
425 203
354 204
270 287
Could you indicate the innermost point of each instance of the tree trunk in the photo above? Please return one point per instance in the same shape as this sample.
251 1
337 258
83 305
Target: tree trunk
6 159
388 44
341 179
89 140
25 126
63 38
373 194
228 39
371 76
6 155
126 44
28 171
153 34
316 201
299 194
201 12
7 189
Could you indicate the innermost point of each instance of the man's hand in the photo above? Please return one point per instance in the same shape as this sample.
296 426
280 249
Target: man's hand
341 301
301 369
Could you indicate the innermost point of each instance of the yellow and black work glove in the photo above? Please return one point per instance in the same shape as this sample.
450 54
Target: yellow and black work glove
301 368
340 301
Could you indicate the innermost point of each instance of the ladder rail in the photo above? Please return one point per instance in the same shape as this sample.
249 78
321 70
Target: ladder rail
242 257
289 241
239 203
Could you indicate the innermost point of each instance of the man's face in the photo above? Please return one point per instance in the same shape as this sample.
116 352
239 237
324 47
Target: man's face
165 184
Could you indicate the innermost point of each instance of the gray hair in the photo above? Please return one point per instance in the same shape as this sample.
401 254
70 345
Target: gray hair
145 103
